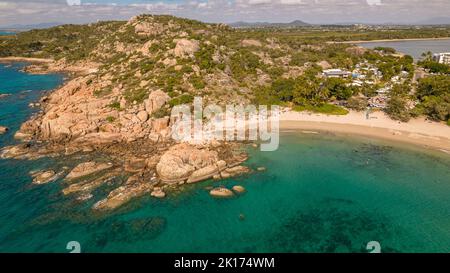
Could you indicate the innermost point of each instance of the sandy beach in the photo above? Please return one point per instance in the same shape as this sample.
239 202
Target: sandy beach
417 131
25 59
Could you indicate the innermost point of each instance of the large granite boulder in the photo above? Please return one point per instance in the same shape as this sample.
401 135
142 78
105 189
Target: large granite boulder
183 160
155 101
185 47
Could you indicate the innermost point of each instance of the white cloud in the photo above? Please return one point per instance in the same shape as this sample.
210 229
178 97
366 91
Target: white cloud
314 11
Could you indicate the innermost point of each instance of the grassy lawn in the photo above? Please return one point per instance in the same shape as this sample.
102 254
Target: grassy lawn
326 108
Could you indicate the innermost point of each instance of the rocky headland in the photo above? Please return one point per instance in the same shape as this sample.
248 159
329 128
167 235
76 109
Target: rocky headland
123 131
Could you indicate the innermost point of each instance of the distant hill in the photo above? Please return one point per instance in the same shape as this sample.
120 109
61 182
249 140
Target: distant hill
241 24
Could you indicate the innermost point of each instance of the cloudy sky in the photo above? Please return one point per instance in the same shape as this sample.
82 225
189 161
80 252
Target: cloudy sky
312 11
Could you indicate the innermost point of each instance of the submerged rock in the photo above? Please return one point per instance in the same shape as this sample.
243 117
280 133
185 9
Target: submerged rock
88 186
4 95
16 151
234 171
87 168
3 129
132 230
238 189
84 197
158 193
122 195
44 177
221 192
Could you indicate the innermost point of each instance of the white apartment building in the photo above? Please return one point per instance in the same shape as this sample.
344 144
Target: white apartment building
442 58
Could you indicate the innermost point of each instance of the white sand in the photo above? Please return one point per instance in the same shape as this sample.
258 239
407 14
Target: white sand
417 131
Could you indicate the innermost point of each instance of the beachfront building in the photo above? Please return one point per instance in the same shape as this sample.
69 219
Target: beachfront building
442 58
379 101
336 73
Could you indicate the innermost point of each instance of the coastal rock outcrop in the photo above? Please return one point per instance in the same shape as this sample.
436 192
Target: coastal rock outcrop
119 109
87 168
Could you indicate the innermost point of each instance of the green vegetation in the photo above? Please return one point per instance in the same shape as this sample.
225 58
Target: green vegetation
386 50
110 119
284 67
204 57
357 103
427 62
339 89
72 42
434 96
115 105
329 109
162 112
397 106
307 92
243 63
435 67
138 95
390 65
197 82
103 92
183 99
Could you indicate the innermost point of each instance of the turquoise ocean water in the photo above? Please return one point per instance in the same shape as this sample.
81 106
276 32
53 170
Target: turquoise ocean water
320 193
3 32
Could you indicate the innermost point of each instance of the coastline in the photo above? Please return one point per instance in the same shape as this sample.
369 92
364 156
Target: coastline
419 131
25 59
389 40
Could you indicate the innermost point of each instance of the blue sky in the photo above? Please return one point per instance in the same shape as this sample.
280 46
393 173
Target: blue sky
312 11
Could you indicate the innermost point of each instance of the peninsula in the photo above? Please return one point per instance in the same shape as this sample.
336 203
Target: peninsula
126 76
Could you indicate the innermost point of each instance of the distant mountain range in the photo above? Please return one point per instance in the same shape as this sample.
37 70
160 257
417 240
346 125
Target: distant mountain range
436 21
242 24
296 23
299 23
